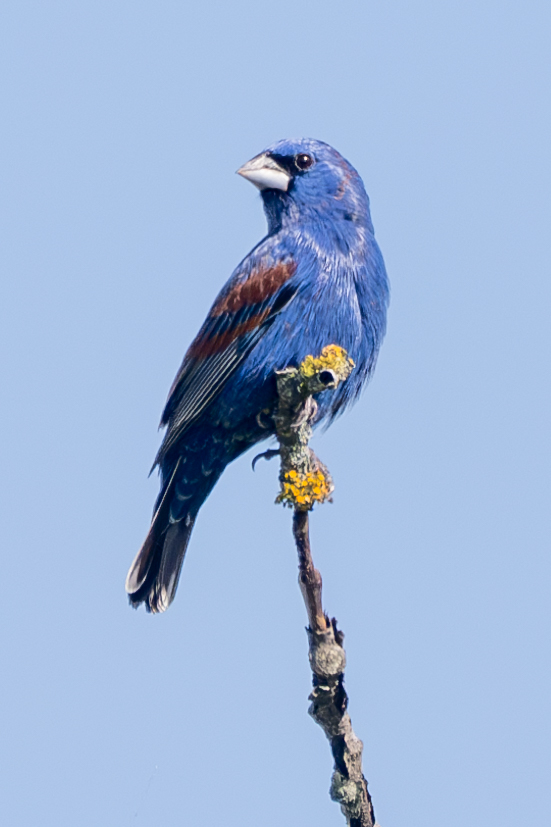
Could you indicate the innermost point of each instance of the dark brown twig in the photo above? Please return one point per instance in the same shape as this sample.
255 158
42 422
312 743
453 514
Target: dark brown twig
304 480
309 578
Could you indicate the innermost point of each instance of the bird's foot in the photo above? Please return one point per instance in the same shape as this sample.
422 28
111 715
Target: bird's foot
269 454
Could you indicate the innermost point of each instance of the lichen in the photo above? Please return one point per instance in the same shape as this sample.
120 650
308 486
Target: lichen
332 357
302 491
304 479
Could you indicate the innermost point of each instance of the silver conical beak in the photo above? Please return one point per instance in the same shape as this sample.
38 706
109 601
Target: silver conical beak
265 173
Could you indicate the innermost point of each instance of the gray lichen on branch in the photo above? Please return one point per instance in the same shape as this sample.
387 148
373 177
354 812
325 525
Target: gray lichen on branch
304 481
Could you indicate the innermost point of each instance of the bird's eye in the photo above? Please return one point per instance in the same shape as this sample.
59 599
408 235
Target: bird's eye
303 161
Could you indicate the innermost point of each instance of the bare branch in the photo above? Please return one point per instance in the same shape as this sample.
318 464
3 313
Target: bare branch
309 578
304 481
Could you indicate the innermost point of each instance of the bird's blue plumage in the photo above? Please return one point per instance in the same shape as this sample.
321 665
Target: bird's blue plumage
317 278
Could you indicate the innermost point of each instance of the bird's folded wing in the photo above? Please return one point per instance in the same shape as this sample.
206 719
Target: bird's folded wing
239 318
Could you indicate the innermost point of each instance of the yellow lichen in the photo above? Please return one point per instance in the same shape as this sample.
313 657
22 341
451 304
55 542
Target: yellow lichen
303 490
333 358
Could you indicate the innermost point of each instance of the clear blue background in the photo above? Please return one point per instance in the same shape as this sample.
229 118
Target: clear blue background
122 125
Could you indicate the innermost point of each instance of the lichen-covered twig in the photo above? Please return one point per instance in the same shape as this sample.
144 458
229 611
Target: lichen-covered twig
304 481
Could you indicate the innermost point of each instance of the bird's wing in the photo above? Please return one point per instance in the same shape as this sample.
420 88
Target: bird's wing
238 319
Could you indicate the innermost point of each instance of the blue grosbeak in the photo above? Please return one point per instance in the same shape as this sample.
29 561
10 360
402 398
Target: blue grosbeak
317 278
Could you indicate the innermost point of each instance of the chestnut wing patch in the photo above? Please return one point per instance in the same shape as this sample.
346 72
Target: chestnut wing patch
262 284
237 321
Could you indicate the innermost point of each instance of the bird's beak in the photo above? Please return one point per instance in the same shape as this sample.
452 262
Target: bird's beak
265 173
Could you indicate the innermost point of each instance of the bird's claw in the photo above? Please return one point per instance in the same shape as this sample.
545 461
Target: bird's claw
269 454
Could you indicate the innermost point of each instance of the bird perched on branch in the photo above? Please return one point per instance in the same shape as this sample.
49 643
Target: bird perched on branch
317 278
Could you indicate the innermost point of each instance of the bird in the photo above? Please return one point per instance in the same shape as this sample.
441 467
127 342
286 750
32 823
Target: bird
317 278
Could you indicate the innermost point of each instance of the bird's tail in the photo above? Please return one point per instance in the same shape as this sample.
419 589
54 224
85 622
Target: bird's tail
154 574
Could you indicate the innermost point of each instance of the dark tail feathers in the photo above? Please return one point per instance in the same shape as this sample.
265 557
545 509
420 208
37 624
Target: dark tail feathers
153 576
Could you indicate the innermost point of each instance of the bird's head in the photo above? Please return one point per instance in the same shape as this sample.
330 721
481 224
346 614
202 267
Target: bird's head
307 180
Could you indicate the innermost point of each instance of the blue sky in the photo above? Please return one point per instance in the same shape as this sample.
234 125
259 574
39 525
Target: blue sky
122 126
